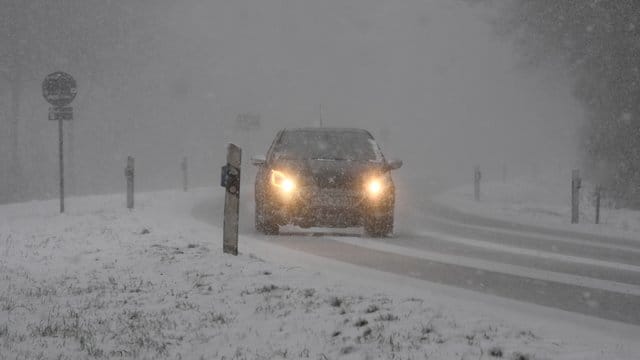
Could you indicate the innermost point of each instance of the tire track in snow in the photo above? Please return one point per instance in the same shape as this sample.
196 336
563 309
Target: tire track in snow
618 302
507 269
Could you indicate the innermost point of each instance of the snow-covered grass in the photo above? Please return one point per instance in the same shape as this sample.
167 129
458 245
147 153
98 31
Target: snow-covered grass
545 203
104 282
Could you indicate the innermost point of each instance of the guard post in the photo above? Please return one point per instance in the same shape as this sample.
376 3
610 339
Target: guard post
576 184
598 196
129 174
477 176
230 180
185 174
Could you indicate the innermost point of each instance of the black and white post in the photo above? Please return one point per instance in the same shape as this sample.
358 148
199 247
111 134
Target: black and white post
230 180
576 184
185 174
477 176
598 195
129 174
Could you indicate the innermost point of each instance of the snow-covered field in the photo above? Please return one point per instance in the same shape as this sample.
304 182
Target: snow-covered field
103 282
544 203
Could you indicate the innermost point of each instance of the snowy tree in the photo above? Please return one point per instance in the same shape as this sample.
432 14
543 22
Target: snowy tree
599 42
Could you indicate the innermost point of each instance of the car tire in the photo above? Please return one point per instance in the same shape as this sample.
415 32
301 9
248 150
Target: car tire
263 224
378 226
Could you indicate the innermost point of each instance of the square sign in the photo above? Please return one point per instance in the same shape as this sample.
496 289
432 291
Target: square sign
61 113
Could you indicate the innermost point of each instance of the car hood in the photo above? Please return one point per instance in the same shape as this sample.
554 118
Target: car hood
330 173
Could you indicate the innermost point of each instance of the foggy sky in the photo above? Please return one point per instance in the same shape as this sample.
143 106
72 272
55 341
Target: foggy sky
430 79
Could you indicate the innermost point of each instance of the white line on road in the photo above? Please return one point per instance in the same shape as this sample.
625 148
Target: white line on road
568 240
521 271
530 252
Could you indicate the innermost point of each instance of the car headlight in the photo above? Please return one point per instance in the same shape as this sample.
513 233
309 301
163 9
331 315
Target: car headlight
282 181
375 187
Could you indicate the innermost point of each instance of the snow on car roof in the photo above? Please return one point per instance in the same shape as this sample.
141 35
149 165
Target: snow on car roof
327 129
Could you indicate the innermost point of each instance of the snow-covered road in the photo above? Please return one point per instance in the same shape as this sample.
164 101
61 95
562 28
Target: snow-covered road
590 275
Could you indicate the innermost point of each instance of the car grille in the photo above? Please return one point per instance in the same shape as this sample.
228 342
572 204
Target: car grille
333 180
332 198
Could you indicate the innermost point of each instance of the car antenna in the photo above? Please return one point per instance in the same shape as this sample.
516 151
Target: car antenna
320 115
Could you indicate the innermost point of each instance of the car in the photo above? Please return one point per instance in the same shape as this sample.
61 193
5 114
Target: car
325 177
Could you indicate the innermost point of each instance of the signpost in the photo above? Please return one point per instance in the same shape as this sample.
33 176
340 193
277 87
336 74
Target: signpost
59 89
248 121
246 124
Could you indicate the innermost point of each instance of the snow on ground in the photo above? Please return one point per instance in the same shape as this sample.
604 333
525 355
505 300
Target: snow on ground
104 282
543 203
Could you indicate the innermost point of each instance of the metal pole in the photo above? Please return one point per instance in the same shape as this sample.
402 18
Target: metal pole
61 157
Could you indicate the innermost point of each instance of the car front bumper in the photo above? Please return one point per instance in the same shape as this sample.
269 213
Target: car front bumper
309 207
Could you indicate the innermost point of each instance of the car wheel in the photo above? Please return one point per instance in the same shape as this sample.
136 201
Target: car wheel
263 222
378 226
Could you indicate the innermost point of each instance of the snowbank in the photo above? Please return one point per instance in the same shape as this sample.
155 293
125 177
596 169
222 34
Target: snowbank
545 204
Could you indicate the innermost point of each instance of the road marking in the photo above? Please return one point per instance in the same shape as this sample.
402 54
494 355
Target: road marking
507 269
568 240
530 252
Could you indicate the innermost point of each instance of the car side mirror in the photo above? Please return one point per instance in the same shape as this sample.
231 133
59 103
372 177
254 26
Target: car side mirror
394 164
258 160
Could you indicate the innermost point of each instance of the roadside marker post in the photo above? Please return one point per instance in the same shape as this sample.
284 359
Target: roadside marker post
129 174
185 174
576 184
598 196
230 180
477 176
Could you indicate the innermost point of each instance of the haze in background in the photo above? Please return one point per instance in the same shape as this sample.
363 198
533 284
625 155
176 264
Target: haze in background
429 79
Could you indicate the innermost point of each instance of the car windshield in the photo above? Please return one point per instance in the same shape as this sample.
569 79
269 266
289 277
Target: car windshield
327 145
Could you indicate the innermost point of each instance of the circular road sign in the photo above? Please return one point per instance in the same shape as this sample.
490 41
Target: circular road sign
59 88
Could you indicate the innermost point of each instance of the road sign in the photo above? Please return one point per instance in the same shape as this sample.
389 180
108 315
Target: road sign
61 113
248 121
59 89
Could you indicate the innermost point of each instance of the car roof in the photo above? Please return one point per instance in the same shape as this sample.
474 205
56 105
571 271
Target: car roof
327 130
